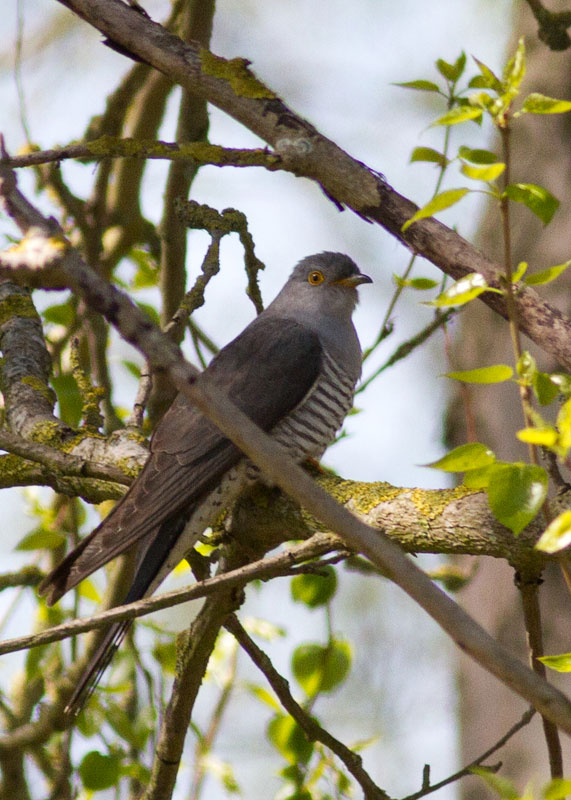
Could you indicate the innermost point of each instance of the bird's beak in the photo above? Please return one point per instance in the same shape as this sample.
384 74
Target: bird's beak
354 280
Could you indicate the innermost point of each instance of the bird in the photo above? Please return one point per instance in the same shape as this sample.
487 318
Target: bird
293 370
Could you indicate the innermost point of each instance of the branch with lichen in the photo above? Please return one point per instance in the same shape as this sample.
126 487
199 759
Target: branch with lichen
136 329
150 149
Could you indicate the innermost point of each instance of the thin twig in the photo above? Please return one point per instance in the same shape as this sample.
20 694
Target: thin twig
307 723
264 569
427 789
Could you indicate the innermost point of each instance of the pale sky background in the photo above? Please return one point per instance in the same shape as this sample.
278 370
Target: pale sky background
334 63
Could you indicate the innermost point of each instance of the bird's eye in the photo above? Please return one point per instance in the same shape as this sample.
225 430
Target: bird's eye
315 277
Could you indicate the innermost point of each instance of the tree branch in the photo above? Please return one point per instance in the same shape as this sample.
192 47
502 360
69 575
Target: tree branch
137 329
231 86
312 729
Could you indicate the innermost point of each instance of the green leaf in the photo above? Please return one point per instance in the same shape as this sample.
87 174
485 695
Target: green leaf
498 373
265 697
69 398
536 103
514 71
41 539
321 669
541 202
545 389
98 771
314 589
150 311
133 368
490 80
451 71
502 786
147 274
415 283
62 314
477 156
438 203
519 271
487 174
420 85
477 478
289 739
465 457
546 275
516 493
557 789
557 535
428 154
165 654
461 292
564 425
545 436
459 114
559 663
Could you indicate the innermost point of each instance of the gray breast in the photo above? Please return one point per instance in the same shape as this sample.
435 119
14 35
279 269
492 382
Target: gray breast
311 427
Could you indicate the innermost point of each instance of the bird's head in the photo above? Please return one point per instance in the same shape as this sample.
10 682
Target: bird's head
325 283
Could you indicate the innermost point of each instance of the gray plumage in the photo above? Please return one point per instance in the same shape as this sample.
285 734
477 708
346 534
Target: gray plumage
293 370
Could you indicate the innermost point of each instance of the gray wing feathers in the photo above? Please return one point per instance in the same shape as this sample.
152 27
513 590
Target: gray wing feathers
266 371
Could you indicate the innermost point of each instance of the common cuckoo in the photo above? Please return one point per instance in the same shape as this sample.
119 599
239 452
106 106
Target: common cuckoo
293 371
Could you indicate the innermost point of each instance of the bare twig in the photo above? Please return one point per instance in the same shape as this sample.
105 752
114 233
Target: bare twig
263 569
306 722
434 787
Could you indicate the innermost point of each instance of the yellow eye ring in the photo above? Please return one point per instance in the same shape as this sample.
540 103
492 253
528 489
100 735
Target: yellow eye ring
315 277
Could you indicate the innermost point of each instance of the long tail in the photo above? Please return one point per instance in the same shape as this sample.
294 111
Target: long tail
144 582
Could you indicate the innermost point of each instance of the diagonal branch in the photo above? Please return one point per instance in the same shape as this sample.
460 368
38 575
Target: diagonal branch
139 331
306 722
231 86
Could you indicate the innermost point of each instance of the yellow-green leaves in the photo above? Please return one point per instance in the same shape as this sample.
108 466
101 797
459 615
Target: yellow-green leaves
560 663
420 85
557 535
422 284
314 589
488 174
546 275
459 114
321 668
516 492
541 202
438 203
462 291
494 374
289 739
430 155
536 103
466 457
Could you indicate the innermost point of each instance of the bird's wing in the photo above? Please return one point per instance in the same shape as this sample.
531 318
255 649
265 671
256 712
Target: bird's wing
266 371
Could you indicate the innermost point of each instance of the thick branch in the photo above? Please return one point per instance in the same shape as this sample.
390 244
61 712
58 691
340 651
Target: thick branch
232 87
137 329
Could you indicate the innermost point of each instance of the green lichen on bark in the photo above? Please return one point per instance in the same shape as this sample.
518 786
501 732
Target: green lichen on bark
431 504
17 305
38 385
235 71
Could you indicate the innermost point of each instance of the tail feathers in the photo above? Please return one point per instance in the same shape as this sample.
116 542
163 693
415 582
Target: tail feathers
152 568
96 667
